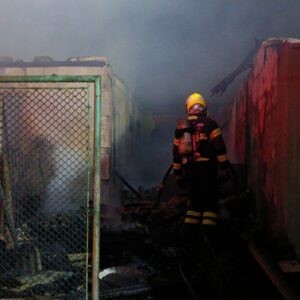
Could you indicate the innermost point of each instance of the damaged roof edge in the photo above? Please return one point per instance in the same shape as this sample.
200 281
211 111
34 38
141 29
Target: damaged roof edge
47 61
247 63
280 41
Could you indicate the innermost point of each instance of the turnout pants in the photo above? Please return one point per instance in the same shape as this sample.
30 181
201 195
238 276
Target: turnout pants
203 190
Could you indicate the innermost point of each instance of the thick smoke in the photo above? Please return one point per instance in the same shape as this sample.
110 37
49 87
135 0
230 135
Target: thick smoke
163 49
159 47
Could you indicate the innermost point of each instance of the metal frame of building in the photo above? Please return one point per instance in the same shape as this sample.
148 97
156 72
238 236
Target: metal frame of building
94 168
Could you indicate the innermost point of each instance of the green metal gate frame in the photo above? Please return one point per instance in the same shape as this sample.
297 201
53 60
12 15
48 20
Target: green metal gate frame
94 171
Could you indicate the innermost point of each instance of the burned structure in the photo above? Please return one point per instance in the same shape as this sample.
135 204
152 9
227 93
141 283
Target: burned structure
49 143
260 250
263 134
47 198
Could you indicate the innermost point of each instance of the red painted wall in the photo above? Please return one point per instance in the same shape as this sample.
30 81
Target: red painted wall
264 134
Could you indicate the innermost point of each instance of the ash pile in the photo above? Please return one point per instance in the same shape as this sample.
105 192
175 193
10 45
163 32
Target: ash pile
144 258
132 253
43 259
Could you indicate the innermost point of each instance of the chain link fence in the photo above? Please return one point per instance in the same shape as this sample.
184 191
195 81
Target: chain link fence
44 192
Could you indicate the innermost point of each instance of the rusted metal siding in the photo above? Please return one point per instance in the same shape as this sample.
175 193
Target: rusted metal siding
264 134
234 132
262 151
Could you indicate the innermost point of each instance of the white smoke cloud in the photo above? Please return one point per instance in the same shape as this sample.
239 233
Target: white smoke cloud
155 46
163 49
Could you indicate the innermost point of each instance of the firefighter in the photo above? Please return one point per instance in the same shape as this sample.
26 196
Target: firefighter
199 152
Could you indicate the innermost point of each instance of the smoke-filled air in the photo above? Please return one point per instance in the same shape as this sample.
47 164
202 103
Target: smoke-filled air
162 49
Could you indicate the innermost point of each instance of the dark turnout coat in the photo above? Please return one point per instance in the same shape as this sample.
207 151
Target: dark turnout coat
198 166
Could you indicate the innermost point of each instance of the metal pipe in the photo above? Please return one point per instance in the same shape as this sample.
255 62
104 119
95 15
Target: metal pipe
134 191
53 78
96 189
89 174
187 283
162 185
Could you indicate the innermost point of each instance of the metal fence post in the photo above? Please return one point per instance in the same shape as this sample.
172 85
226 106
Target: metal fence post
97 180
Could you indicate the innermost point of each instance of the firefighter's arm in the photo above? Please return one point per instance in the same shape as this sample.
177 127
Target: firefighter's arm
218 143
177 161
226 168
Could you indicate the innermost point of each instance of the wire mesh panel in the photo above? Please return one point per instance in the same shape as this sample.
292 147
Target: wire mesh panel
44 192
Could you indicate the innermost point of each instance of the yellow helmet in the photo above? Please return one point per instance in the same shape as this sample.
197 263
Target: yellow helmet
195 99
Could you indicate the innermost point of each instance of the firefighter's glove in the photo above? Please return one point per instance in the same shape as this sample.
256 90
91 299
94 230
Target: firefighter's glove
181 183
